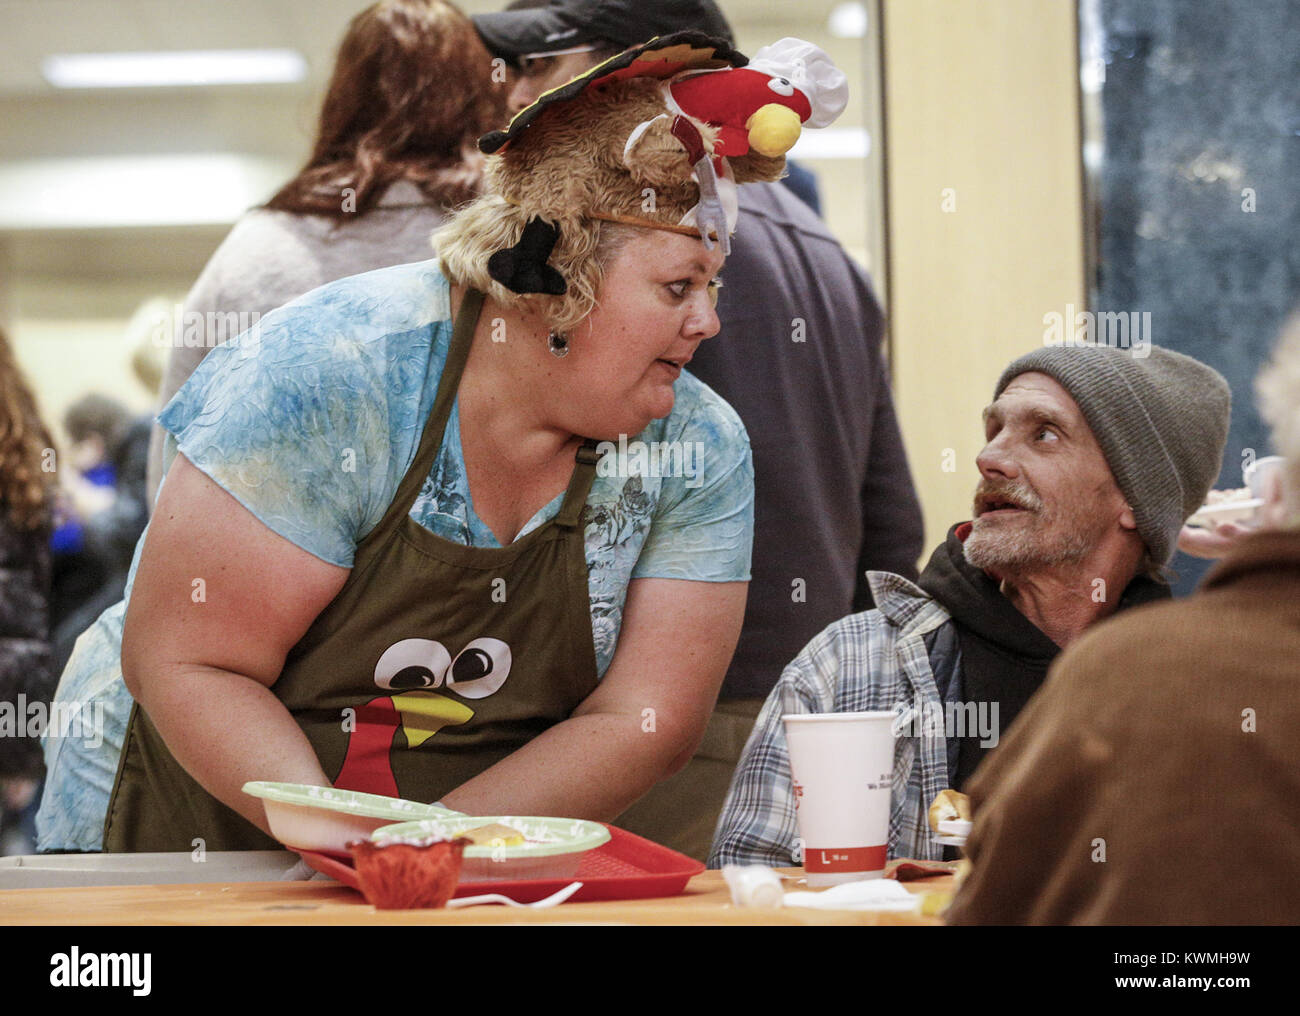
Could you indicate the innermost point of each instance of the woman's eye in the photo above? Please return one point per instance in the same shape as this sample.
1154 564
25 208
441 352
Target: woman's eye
682 289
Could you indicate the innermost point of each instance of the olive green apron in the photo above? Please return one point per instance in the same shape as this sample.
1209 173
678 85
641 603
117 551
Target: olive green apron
434 662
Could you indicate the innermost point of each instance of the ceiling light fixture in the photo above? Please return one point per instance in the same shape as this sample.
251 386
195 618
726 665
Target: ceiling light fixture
848 21
179 68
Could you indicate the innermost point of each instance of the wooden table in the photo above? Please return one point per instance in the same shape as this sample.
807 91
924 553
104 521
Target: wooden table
706 901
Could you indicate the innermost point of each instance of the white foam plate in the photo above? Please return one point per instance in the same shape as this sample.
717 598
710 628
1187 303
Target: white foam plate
1210 515
953 832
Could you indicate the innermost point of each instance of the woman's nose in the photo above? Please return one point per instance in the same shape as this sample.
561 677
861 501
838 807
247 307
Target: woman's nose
703 322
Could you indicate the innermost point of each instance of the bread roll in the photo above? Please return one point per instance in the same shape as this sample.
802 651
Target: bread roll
949 805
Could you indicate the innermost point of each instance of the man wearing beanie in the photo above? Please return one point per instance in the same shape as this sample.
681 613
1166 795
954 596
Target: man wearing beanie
1095 457
1153 780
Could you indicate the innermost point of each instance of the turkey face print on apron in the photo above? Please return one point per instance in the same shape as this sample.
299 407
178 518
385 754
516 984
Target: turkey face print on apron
408 668
435 661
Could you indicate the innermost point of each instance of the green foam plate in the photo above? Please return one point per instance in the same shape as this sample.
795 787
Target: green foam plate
349 802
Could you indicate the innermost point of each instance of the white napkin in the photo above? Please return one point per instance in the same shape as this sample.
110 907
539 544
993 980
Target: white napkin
869 894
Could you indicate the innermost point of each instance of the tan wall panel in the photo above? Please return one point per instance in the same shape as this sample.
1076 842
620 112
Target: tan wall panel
64 360
980 97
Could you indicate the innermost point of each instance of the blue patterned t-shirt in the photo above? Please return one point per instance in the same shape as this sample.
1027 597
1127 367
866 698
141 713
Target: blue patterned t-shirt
311 420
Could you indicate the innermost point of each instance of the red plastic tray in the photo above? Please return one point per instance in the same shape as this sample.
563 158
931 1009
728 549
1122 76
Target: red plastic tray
628 867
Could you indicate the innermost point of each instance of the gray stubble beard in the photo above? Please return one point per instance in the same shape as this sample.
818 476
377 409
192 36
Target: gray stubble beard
1025 550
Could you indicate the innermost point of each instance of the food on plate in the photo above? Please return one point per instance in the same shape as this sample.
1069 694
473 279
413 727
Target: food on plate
406 873
1227 496
494 835
1237 505
949 805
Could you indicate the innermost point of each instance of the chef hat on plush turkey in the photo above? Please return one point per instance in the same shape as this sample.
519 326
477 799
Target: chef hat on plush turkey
809 69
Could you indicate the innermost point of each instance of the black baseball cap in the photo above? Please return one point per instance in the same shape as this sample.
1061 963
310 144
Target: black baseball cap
566 24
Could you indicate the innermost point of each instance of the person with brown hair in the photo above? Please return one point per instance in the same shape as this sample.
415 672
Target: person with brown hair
26 515
412 90
26 489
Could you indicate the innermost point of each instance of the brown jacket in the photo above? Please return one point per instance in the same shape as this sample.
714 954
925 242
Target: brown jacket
1155 777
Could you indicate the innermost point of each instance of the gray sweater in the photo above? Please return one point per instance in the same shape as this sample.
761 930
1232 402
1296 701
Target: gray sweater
270 258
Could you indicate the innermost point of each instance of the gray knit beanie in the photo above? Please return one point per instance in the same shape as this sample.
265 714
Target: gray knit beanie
1161 422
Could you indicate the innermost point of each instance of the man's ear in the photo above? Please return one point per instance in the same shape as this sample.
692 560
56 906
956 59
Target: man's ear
1126 519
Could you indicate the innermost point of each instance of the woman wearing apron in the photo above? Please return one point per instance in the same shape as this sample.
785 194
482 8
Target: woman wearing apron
459 530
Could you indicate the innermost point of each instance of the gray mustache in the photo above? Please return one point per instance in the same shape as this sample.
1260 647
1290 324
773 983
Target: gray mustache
1022 494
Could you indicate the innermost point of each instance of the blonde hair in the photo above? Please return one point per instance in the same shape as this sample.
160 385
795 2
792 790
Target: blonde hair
1278 388
490 224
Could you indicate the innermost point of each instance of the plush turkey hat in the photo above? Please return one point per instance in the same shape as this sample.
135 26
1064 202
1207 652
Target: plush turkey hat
657 136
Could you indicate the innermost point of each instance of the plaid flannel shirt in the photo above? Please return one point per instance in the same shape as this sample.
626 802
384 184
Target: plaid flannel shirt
869 661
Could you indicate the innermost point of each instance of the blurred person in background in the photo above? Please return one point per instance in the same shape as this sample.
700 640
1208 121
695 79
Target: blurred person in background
104 512
145 346
26 677
1153 779
803 368
411 91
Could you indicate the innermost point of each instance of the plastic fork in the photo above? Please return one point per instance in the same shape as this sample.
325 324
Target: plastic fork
553 900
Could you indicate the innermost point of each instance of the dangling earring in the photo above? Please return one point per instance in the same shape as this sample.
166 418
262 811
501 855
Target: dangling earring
559 344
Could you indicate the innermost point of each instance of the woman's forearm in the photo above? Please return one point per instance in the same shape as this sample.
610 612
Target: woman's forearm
227 729
591 766
642 722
